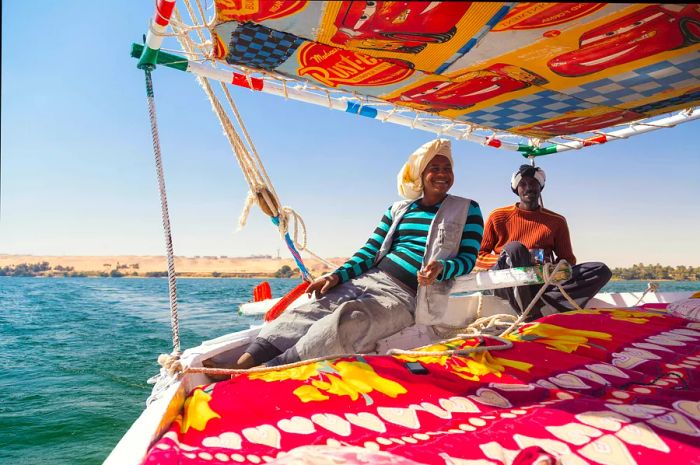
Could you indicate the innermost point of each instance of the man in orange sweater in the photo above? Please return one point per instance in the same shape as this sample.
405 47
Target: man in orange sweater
526 233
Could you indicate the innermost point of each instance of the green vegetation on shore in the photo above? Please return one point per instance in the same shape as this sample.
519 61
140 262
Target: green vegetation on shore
642 271
286 272
44 269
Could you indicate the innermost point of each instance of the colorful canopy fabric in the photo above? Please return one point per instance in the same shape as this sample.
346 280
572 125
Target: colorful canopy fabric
536 69
617 386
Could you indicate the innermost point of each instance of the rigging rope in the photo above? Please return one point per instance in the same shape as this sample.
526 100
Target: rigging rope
261 188
172 286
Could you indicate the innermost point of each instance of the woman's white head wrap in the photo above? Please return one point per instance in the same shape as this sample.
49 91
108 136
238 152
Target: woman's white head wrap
528 171
409 180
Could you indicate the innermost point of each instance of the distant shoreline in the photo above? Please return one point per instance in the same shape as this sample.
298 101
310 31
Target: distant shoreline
256 267
138 266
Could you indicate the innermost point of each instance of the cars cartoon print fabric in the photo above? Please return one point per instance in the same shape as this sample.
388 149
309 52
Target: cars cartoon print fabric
535 69
466 90
405 27
652 30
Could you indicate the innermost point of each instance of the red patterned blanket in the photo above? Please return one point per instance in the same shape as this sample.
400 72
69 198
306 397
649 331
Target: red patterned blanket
592 386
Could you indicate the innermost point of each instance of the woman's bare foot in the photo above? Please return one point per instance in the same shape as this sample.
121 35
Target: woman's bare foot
244 362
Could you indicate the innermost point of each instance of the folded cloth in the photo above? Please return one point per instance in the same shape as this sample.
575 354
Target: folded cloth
686 308
409 182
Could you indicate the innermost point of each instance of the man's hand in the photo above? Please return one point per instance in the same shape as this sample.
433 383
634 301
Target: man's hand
429 273
322 285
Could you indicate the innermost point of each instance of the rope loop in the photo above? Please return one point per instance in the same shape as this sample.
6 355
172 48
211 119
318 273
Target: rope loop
290 216
549 276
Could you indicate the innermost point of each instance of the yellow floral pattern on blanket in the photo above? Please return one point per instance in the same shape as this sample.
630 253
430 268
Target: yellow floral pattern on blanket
197 411
471 367
631 316
558 337
343 378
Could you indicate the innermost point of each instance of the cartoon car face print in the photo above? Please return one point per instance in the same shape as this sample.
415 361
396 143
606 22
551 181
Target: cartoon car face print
403 27
579 124
469 89
651 30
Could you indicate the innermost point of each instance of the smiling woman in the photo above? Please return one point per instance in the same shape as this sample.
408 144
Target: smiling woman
437 180
398 277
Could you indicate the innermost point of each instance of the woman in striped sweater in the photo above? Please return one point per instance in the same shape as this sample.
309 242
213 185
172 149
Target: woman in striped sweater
411 257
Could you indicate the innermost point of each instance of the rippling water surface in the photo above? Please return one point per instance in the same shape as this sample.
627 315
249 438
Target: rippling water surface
76 353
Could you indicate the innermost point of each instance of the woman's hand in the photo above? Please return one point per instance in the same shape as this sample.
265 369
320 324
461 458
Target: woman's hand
429 273
322 285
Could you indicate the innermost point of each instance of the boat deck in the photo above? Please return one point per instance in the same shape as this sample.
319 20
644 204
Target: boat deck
616 386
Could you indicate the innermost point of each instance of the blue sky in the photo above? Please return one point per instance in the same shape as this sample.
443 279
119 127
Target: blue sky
78 175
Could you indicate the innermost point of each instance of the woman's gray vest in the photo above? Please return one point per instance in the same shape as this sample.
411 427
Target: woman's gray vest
444 237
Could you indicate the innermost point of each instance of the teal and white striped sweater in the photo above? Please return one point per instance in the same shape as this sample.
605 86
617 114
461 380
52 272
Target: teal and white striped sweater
406 255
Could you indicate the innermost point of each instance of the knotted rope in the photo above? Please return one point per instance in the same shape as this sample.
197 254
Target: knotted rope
489 324
480 326
548 276
651 287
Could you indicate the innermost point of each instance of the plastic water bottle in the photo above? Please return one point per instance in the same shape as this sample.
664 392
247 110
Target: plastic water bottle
537 256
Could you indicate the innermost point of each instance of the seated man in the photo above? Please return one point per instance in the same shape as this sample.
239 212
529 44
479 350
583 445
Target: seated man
525 234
